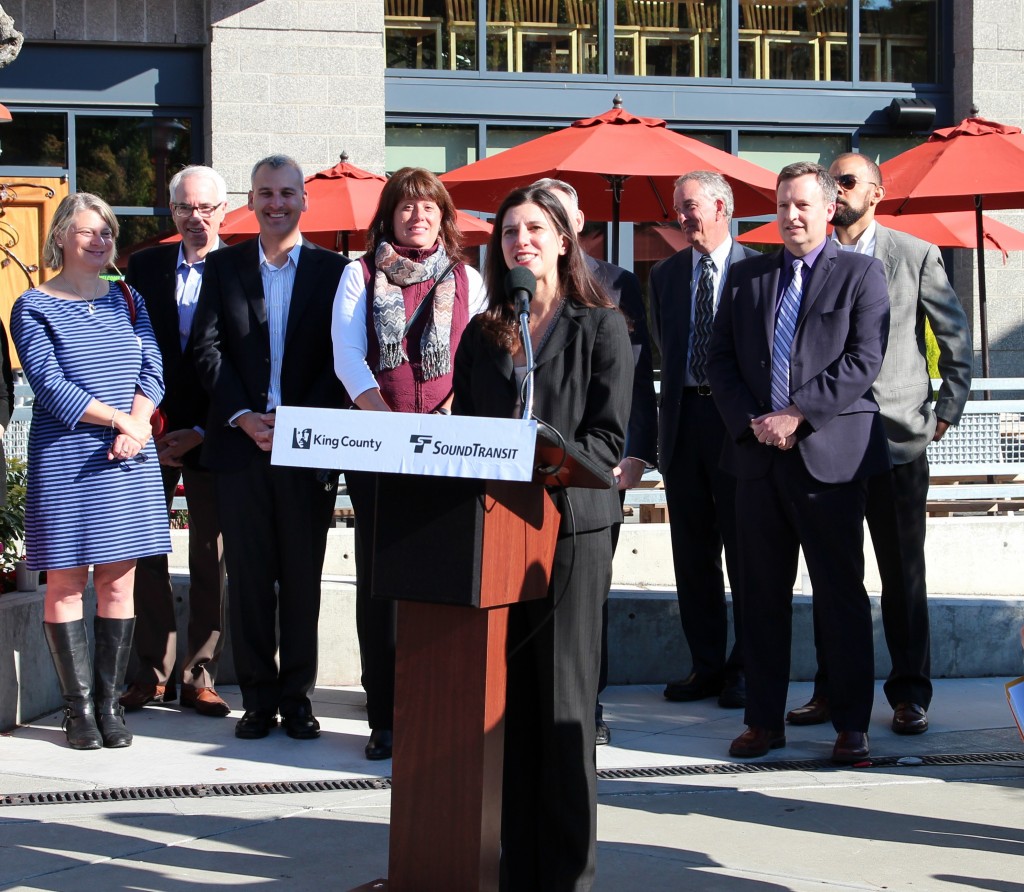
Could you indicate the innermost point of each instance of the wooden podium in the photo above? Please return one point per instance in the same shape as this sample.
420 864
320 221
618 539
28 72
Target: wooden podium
456 553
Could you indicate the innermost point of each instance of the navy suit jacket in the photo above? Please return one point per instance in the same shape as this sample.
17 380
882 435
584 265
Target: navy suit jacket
623 287
152 273
671 302
232 344
836 354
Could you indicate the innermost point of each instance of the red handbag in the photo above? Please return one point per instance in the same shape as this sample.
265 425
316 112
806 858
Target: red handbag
158 421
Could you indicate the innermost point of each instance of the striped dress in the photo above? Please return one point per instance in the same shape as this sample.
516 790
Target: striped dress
82 508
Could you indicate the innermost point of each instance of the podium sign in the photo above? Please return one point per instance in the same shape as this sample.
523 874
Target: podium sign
405 443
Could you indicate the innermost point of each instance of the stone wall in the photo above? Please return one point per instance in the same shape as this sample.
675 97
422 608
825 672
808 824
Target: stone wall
989 77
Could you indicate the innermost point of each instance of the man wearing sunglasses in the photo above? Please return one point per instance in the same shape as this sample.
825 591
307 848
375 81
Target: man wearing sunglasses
918 290
169 277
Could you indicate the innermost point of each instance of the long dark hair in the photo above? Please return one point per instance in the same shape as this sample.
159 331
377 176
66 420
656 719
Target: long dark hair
414 183
575 282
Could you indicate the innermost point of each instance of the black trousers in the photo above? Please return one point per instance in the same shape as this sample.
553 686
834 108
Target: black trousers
376 620
777 515
701 501
155 643
275 523
549 799
896 515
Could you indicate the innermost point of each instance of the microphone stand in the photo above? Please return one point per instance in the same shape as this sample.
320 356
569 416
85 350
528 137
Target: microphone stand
523 308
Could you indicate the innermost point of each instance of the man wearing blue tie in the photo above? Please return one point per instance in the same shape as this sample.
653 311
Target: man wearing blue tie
796 345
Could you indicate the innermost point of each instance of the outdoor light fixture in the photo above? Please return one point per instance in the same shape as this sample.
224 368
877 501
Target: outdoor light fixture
911 114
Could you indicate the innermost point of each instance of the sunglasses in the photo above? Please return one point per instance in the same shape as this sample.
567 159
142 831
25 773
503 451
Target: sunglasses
848 181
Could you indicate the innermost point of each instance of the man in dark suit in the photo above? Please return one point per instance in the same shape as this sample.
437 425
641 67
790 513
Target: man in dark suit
797 343
623 287
169 277
263 339
701 497
896 507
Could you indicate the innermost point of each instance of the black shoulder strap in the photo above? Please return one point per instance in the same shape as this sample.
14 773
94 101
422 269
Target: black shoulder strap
429 298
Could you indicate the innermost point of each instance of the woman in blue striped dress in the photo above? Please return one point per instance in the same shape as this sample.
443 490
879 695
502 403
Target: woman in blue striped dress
94 490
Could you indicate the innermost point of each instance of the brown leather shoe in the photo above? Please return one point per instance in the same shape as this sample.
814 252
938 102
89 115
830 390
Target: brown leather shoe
205 701
756 742
814 712
851 746
138 695
909 718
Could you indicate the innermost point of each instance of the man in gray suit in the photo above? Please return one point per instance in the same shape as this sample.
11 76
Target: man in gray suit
700 495
918 289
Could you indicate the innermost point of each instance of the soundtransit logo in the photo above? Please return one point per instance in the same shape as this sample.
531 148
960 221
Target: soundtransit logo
302 439
464 450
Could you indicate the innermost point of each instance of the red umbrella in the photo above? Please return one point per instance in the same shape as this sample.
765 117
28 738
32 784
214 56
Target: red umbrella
960 168
342 202
623 167
952 230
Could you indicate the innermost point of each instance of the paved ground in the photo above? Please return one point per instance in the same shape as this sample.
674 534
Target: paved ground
942 825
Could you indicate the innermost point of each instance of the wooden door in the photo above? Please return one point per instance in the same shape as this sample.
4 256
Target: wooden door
26 209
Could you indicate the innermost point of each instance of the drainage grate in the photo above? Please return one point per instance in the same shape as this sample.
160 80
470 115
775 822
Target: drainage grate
199 791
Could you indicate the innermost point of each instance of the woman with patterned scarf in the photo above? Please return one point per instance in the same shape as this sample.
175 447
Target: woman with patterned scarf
413 243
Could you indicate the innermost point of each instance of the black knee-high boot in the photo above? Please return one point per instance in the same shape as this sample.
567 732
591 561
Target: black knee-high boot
113 645
69 648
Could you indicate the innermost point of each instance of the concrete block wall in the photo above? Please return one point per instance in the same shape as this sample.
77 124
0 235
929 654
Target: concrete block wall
303 78
181 22
988 74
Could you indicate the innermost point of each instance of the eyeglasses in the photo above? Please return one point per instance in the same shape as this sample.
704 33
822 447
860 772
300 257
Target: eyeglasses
848 181
186 210
104 235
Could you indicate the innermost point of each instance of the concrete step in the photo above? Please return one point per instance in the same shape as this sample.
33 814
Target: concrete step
975 602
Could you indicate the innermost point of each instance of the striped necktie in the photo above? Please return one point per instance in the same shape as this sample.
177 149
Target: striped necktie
704 315
785 329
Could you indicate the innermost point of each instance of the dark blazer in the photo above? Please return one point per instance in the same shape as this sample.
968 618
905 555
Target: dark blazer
152 273
623 287
836 354
671 302
232 344
584 379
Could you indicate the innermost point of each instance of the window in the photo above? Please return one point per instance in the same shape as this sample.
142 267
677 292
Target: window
34 139
898 40
438 148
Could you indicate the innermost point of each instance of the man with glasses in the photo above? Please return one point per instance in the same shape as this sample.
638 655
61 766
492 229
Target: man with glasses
169 276
918 290
685 290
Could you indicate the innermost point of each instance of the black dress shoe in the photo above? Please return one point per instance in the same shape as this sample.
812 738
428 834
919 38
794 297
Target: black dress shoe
604 733
814 712
300 724
693 687
734 692
851 747
909 718
256 723
379 745
756 742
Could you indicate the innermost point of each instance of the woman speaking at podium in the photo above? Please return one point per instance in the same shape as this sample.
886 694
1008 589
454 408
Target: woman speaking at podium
398 316
583 370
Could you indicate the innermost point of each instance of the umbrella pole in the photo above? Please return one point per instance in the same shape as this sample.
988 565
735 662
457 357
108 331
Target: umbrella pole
982 303
616 184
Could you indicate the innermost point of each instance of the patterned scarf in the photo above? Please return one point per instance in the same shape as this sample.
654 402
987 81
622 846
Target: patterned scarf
394 273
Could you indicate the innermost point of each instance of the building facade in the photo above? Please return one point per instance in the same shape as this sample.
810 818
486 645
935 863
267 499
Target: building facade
114 95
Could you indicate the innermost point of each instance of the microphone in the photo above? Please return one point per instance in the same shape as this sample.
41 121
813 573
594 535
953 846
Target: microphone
520 284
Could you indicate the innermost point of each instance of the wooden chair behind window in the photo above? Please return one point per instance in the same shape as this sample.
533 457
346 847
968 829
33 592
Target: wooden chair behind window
585 16
536 22
405 18
462 25
772 24
705 22
664 21
830 24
